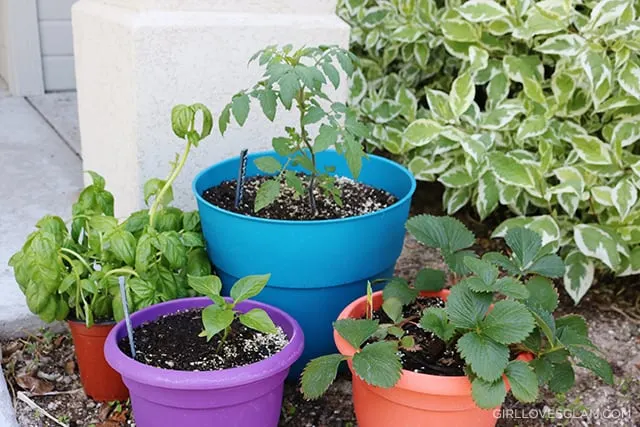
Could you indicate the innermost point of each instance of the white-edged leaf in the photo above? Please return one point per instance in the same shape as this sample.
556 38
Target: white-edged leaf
629 79
602 195
532 126
456 198
565 45
591 149
596 243
509 170
624 196
462 94
626 132
421 132
482 10
578 275
456 177
488 195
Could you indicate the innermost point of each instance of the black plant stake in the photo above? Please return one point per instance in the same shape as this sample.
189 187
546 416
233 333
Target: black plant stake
242 170
127 318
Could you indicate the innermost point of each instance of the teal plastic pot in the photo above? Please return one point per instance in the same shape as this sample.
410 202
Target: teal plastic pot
317 267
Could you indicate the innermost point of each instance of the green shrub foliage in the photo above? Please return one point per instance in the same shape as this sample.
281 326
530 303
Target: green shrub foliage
534 105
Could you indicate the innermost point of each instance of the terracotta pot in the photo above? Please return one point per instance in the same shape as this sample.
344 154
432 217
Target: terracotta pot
99 380
417 400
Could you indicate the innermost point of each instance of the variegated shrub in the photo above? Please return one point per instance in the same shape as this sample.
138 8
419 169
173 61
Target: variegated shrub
530 104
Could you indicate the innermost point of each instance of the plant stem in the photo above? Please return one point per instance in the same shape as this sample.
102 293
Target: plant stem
304 136
174 174
78 256
123 270
223 339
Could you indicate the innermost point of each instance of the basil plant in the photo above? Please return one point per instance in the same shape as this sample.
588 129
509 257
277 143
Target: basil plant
533 105
72 270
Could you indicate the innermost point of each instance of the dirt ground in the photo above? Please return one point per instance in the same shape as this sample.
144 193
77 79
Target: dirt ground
43 369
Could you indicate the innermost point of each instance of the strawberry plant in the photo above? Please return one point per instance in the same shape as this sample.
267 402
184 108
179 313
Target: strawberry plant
297 79
533 105
502 305
71 271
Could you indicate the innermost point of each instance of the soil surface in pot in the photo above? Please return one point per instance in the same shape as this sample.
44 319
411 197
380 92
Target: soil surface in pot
357 199
430 354
172 342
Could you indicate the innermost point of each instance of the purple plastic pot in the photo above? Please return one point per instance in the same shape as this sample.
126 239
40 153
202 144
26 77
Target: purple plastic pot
248 396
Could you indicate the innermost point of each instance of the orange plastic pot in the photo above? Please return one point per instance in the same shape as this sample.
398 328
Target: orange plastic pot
99 380
417 400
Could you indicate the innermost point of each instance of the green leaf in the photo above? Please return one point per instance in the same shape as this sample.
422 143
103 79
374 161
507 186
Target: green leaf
319 374
510 287
462 94
152 188
483 269
399 288
197 263
591 361
268 100
313 115
393 308
545 321
378 364
466 309
267 193
282 146
523 381
191 239
421 132
482 11
488 395
354 154
205 285
356 331
289 87
509 322
123 245
345 62
487 358
562 378
268 164
435 319
429 279
525 245
224 119
172 249
258 319
548 266
240 108
575 322
331 73
181 118
327 137
248 287
216 319
542 293
444 233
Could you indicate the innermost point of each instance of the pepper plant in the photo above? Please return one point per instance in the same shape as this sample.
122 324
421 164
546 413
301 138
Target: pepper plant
502 305
218 317
533 105
297 79
72 271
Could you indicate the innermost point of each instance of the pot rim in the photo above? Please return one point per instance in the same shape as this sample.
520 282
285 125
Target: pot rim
131 369
409 380
397 205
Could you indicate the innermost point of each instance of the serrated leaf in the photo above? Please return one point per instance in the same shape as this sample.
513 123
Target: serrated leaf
488 395
240 108
508 322
429 279
313 115
268 164
542 293
267 193
466 309
268 100
378 364
258 319
399 288
510 287
445 233
545 321
523 381
356 331
591 361
487 358
319 374
435 319
562 378
393 308
483 269
575 322
524 243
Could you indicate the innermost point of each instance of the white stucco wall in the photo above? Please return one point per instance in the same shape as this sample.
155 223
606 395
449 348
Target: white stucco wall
135 59
4 71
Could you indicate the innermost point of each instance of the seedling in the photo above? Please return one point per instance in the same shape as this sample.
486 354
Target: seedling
503 305
218 317
296 79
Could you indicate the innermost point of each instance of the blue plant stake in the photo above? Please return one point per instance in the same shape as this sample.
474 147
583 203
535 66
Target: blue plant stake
127 318
242 170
